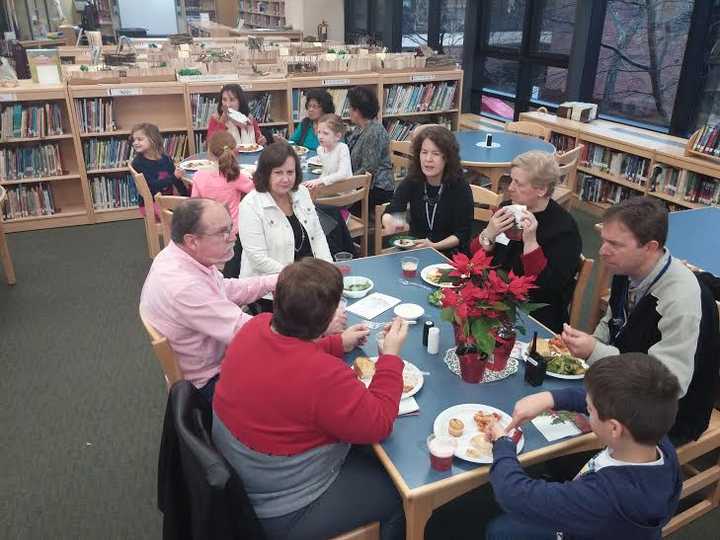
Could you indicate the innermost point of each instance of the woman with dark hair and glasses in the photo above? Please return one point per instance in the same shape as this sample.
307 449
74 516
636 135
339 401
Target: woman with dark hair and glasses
232 97
292 418
369 144
277 222
318 102
441 202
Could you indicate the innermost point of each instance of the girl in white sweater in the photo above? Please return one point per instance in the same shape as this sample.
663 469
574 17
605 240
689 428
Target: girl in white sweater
334 155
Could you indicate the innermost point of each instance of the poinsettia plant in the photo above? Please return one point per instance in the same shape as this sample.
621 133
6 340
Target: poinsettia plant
485 300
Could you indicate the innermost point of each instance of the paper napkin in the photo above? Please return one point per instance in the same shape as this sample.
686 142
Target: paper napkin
373 305
408 406
556 425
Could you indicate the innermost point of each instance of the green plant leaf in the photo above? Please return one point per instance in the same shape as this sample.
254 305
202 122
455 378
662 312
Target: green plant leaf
483 338
448 314
528 307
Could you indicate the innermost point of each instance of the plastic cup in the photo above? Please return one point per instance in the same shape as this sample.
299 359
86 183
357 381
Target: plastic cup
514 233
409 266
342 258
441 450
472 366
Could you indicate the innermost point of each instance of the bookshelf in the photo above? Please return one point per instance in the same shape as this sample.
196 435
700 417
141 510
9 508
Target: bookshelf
103 117
621 161
40 162
263 13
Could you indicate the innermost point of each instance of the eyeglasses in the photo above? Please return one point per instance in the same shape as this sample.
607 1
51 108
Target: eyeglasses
225 234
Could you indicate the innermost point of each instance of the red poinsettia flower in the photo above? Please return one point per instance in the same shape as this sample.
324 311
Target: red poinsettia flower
461 262
480 261
519 286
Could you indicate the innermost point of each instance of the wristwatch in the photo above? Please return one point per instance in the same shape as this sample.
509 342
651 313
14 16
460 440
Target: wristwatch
485 242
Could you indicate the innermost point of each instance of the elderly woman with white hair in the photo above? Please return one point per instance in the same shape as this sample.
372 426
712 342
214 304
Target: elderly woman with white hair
533 235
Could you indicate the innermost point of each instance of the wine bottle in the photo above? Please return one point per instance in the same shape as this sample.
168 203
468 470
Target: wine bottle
535 365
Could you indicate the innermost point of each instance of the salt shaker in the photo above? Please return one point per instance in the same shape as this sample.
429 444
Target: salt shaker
433 345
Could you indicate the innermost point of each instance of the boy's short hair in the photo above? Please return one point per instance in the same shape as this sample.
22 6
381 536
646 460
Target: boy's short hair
638 391
645 217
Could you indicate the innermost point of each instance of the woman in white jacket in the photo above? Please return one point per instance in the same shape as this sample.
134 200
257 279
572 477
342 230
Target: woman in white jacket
277 222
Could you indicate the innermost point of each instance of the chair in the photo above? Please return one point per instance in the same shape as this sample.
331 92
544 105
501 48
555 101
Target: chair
420 127
345 193
484 201
582 278
379 232
167 203
371 531
528 128
153 228
697 480
164 353
400 156
4 249
568 162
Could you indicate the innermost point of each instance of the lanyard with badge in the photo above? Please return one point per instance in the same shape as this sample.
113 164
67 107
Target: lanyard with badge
617 323
431 201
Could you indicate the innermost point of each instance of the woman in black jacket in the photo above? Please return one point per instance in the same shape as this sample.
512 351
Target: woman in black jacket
441 203
548 245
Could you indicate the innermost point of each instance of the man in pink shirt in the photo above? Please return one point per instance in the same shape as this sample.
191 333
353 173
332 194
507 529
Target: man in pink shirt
186 298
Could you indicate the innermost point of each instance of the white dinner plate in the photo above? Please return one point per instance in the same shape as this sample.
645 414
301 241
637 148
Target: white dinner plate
249 148
410 371
557 375
315 160
465 413
300 150
196 164
424 273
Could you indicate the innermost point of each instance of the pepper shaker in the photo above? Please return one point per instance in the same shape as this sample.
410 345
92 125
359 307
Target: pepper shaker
426 327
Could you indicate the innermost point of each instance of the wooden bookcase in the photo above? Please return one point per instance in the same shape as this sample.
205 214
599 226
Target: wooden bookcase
162 104
69 191
661 151
263 13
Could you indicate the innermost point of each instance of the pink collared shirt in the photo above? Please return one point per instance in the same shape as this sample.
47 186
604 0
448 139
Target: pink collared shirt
197 309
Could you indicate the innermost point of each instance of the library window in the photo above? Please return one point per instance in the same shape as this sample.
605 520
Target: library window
555 27
414 23
452 27
641 55
505 27
708 111
547 84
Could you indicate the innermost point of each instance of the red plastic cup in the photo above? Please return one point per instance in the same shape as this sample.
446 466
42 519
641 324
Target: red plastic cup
502 353
441 450
472 366
344 269
514 233
409 266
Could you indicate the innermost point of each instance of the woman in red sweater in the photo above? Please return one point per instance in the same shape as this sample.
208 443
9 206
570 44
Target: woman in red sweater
287 411
233 97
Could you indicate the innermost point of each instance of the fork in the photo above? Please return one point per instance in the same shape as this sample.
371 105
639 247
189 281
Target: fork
375 325
406 282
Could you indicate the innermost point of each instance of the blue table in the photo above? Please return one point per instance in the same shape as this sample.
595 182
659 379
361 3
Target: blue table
495 162
404 453
693 236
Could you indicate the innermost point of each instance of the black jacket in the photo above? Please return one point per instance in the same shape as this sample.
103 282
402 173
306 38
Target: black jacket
199 494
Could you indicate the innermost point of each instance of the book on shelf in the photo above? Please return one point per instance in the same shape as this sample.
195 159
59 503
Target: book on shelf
630 167
260 107
702 189
29 200
200 141
708 142
561 142
106 153
408 98
113 192
597 190
666 179
19 120
400 130
95 115
202 108
175 146
38 161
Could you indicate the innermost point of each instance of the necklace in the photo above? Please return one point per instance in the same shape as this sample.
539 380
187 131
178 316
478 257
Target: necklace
431 202
302 237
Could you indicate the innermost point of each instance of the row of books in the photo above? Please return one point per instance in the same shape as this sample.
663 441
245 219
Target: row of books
26 200
30 162
202 108
633 168
684 184
175 146
709 140
339 97
260 107
594 189
401 130
18 120
95 115
561 142
200 141
113 192
106 153
406 98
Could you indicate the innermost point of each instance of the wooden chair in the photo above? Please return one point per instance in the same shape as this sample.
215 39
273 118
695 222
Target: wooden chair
371 531
568 162
484 202
153 228
400 165
164 354
167 204
419 128
697 480
4 249
582 278
529 128
379 233
402 148
345 193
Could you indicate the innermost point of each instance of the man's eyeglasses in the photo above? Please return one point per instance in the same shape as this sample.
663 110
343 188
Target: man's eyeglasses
225 234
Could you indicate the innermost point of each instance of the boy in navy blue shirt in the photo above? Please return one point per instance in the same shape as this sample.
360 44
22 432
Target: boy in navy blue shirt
628 490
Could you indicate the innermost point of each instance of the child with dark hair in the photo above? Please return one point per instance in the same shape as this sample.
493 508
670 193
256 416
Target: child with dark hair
232 98
628 490
157 167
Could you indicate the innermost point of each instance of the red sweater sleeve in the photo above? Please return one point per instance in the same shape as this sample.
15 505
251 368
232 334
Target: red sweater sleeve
332 345
214 125
534 262
355 414
256 127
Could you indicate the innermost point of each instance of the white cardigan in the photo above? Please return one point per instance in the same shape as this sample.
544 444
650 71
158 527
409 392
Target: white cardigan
267 237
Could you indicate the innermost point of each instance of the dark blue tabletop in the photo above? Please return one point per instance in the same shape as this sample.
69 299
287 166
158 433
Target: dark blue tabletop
693 236
511 145
251 159
406 447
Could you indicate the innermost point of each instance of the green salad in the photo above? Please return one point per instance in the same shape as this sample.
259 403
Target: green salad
565 364
356 287
435 298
